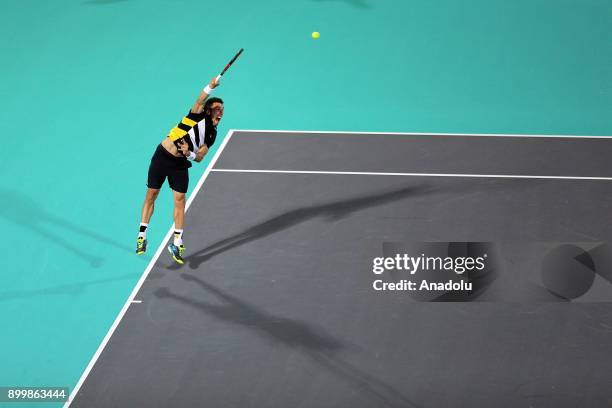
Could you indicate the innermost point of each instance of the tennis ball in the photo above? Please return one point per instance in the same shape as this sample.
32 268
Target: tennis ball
315 35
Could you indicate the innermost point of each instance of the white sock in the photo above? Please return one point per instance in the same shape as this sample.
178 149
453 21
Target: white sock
143 230
178 237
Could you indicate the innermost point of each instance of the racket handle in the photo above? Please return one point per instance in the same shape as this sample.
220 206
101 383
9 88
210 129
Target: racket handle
218 78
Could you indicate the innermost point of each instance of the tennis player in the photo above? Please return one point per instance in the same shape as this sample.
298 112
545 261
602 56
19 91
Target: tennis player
188 141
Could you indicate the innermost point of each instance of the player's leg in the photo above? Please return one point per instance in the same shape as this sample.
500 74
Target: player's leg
149 205
155 179
147 211
179 210
179 181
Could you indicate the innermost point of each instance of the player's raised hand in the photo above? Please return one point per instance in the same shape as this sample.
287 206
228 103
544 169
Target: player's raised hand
214 82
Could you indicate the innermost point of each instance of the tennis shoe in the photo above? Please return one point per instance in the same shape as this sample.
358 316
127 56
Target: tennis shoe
177 253
141 246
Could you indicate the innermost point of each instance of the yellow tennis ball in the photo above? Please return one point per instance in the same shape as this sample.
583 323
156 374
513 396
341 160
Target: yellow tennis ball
315 34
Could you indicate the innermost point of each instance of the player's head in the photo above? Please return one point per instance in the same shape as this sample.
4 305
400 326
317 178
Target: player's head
214 109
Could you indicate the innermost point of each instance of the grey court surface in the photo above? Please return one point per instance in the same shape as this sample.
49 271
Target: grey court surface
275 306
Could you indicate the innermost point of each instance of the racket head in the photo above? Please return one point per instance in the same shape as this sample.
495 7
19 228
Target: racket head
229 64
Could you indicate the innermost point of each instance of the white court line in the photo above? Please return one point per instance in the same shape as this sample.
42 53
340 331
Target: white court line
366 173
143 277
136 301
341 132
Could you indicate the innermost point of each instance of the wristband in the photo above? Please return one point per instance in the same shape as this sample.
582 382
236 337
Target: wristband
208 90
191 156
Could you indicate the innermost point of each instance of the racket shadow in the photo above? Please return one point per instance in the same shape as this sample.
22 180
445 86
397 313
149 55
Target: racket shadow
335 210
332 211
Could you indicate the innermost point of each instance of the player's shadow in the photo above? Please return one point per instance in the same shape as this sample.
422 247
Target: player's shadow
69 289
315 343
22 210
362 4
330 211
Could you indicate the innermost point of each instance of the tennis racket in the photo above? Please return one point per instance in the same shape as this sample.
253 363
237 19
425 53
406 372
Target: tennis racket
229 64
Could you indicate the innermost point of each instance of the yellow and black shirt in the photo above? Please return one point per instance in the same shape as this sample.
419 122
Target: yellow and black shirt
196 129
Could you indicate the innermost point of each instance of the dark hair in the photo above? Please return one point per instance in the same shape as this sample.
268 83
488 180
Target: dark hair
210 101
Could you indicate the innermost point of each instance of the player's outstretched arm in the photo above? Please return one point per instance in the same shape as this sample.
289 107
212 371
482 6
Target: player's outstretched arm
198 106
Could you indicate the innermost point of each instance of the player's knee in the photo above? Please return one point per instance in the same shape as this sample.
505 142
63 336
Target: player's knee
151 195
179 199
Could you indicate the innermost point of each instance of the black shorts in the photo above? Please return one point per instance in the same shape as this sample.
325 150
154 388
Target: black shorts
164 164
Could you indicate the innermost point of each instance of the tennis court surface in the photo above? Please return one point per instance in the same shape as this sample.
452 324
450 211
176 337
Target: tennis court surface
275 307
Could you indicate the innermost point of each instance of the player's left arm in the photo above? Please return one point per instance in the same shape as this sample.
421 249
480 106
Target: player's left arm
201 153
